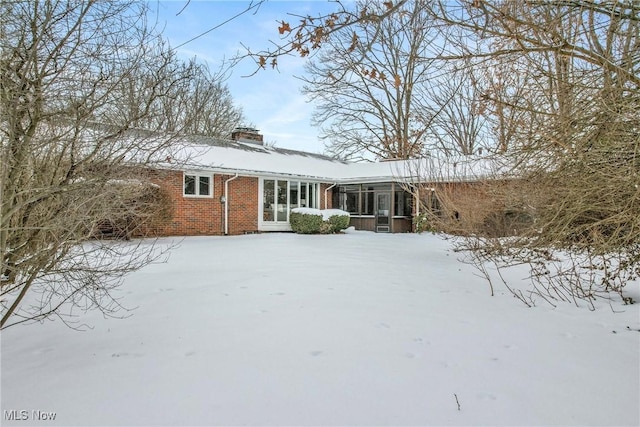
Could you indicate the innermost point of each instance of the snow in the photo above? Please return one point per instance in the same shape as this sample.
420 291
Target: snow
257 160
307 211
324 213
350 329
328 213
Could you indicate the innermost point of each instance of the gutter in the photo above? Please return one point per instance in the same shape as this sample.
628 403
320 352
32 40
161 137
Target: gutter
226 204
325 193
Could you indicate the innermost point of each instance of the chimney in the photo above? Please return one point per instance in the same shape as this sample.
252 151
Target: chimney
247 135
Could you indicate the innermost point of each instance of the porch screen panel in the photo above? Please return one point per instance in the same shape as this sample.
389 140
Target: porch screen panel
408 204
268 200
403 203
367 203
282 201
349 199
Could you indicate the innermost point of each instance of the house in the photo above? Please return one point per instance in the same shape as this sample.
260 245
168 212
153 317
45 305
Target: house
243 186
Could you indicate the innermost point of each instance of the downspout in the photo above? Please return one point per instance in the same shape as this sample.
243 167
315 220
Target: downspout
226 204
325 193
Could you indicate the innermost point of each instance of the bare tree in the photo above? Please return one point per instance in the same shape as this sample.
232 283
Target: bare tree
559 81
199 105
312 31
69 158
559 84
369 82
460 127
209 107
576 149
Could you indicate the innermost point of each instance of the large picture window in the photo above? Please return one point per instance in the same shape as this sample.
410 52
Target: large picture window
197 185
268 200
279 196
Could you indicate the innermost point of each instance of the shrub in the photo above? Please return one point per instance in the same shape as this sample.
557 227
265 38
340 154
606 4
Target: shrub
314 221
305 222
142 209
423 223
338 223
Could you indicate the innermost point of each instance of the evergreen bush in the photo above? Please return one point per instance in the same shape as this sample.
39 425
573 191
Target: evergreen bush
305 223
338 223
314 221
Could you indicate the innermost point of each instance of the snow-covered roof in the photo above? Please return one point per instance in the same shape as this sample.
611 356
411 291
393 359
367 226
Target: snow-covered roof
250 159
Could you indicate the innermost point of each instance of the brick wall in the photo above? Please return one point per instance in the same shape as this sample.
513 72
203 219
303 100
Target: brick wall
195 216
243 204
323 187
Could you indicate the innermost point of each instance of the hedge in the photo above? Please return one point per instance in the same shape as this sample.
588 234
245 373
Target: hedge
315 221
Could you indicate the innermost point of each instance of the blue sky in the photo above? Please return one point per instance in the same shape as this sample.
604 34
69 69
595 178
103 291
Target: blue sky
271 100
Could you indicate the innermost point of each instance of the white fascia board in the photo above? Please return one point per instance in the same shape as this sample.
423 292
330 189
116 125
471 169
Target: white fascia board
251 173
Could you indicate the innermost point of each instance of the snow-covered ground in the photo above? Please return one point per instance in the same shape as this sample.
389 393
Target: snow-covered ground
353 329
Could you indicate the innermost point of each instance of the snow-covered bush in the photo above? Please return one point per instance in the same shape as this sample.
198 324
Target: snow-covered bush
315 221
337 219
306 220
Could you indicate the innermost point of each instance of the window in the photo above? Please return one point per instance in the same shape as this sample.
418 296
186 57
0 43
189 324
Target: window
308 194
403 203
268 197
294 190
280 196
367 203
282 201
359 199
351 203
196 185
349 198
433 203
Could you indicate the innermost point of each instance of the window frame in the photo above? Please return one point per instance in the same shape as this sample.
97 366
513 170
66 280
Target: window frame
197 176
294 193
403 202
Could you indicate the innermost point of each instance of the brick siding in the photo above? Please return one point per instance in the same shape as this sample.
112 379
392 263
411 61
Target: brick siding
204 216
197 216
323 187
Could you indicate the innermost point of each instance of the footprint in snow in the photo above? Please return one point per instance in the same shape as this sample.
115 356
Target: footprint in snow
486 396
119 354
